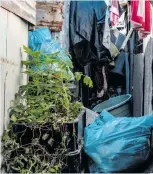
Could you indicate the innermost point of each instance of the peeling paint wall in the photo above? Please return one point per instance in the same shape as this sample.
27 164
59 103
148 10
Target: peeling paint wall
50 14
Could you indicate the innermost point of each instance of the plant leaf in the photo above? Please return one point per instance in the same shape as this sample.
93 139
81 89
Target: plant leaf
78 75
27 50
13 118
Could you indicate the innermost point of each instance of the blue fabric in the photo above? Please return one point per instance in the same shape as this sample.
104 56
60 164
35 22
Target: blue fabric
116 144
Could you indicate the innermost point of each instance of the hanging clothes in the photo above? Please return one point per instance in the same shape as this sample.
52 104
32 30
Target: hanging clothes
141 17
114 12
86 31
107 34
147 26
136 19
103 86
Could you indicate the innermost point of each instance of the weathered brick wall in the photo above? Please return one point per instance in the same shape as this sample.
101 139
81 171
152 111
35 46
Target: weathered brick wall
50 14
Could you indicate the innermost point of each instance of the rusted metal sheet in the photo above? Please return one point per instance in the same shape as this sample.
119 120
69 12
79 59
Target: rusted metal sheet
50 14
26 9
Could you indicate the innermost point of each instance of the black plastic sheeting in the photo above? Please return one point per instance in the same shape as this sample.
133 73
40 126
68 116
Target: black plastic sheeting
86 32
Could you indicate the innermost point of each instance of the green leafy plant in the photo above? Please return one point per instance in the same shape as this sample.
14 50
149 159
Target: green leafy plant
45 103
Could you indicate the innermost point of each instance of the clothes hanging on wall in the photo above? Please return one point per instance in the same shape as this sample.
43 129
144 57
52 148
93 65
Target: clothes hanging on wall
137 13
141 17
91 45
114 12
87 20
101 81
107 33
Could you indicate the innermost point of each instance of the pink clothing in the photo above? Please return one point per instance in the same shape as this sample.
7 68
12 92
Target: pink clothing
141 17
114 12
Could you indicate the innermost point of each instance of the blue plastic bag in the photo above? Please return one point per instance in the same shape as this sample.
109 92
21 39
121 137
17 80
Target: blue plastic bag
118 144
40 40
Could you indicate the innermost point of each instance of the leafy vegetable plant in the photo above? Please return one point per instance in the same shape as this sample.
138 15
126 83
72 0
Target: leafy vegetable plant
40 108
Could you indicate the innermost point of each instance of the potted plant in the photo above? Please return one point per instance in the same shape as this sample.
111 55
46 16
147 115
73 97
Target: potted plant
43 119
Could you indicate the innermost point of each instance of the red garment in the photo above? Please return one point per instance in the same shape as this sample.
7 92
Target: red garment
114 12
141 16
135 19
147 27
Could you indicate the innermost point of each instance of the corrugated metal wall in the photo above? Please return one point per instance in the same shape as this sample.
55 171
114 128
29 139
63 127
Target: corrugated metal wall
13 35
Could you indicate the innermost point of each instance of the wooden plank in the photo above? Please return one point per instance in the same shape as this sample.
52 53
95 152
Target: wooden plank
24 8
138 75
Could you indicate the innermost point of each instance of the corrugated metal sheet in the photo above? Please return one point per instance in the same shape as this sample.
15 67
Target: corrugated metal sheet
50 14
26 9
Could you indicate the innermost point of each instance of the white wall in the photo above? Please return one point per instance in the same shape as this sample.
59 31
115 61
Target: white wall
13 35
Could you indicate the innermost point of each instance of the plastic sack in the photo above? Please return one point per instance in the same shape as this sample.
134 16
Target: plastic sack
40 40
118 144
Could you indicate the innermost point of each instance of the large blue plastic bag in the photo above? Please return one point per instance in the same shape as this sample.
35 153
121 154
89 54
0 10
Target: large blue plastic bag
40 40
117 144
